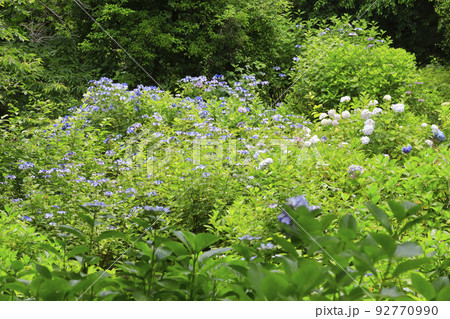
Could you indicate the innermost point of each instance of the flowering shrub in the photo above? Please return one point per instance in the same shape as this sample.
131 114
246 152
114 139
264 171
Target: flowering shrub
348 59
131 166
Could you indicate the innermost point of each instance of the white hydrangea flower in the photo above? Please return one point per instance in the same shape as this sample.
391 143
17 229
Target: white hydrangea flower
265 163
424 124
307 144
335 123
372 103
366 114
337 117
314 140
368 129
429 143
369 122
331 113
387 97
345 99
322 116
365 140
345 114
377 111
326 122
434 128
399 108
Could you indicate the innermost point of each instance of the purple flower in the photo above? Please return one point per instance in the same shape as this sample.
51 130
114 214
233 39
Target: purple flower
407 149
26 218
440 136
294 202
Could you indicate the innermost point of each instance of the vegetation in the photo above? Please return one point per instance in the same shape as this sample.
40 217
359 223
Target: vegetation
315 168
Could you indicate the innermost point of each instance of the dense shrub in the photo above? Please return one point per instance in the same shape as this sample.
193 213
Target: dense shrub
348 60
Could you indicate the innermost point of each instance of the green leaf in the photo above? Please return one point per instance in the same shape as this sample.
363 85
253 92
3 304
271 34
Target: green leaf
211 253
287 246
204 240
440 283
444 294
78 250
110 234
410 265
308 276
387 243
43 271
348 221
49 248
187 238
17 265
391 292
53 290
398 210
162 253
72 231
380 215
422 286
411 208
411 223
87 219
408 249
16 286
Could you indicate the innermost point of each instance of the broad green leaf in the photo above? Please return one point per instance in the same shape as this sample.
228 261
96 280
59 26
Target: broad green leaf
444 294
43 271
348 221
204 240
187 238
162 252
410 265
203 257
17 265
87 219
398 210
72 231
287 246
53 290
274 286
110 234
78 250
387 243
440 283
308 276
391 292
422 286
408 249
411 208
380 215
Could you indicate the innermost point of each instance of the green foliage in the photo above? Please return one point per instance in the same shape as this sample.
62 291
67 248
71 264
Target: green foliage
343 60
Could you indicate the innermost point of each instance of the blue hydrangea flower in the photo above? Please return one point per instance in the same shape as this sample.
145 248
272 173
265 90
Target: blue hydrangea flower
26 165
440 136
267 246
249 238
407 149
294 202
27 218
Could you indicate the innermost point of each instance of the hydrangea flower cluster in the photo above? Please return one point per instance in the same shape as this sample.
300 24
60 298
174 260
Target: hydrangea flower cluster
294 203
407 149
353 169
399 108
438 134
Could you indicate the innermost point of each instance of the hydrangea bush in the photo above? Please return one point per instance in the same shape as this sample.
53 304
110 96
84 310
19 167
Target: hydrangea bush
175 175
